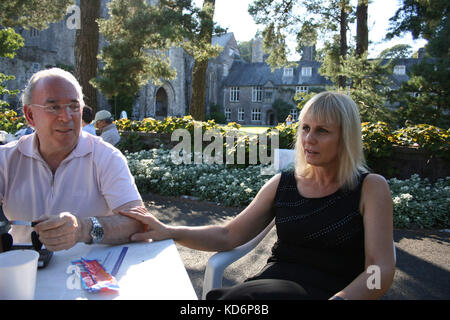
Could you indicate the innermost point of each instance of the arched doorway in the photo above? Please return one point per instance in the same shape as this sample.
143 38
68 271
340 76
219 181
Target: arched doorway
270 119
161 103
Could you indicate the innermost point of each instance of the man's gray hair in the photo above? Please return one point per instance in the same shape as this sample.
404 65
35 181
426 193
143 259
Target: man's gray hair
53 72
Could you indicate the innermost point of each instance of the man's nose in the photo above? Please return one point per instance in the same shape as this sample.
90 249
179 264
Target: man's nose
65 114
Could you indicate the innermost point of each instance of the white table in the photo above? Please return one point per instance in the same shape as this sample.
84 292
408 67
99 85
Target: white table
148 271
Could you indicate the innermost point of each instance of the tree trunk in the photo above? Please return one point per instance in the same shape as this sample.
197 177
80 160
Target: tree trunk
362 31
86 49
343 38
198 93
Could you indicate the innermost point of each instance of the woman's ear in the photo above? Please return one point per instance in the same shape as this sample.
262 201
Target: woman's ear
28 113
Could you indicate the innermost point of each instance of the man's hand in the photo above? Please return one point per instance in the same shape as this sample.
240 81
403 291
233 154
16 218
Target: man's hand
60 232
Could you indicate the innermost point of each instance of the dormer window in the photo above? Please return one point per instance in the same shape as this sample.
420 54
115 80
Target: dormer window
288 72
306 71
400 70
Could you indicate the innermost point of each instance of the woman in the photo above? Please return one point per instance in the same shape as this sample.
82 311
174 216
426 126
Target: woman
288 120
334 219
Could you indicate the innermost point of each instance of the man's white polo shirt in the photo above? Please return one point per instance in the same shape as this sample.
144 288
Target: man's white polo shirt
92 181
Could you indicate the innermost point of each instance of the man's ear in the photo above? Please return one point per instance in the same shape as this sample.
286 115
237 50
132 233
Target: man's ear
28 113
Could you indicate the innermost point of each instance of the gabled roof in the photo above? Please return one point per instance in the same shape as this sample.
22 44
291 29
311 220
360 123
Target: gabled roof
222 40
259 73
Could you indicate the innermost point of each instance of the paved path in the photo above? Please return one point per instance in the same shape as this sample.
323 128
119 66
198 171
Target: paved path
423 257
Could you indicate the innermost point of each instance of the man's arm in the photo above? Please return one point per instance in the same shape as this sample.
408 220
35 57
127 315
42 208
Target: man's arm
64 231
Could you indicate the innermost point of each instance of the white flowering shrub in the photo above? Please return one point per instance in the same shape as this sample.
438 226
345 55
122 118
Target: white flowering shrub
154 171
417 202
420 204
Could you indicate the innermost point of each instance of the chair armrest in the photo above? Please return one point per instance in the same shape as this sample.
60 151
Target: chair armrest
218 262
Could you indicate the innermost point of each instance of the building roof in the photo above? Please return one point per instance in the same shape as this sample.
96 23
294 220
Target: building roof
260 74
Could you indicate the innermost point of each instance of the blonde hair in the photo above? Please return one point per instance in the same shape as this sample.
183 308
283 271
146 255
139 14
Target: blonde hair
338 108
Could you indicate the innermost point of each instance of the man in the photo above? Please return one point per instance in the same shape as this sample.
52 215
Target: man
72 182
86 120
104 122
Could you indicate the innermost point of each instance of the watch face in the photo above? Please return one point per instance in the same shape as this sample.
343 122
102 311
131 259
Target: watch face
97 231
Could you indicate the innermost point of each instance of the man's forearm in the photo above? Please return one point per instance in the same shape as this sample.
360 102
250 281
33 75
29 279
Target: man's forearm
117 228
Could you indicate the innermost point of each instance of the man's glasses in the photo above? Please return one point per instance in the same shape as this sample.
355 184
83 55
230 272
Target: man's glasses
57 109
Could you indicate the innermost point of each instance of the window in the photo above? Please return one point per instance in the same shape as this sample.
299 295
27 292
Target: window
234 94
294 114
268 94
306 71
241 114
257 93
256 114
301 89
34 33
400 70
228 114
288 72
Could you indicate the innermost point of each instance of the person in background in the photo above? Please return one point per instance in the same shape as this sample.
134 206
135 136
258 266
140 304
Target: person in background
86 119
72 183
334 219
288 120
108 130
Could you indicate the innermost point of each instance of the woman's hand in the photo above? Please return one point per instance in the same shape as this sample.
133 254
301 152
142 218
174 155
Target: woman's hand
153 228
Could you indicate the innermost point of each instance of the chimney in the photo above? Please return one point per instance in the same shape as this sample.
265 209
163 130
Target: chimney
257 50
421 53
308 53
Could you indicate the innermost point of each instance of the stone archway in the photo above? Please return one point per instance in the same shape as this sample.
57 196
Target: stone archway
161 103
270 118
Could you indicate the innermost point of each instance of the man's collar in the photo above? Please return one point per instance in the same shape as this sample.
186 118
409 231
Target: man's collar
28 145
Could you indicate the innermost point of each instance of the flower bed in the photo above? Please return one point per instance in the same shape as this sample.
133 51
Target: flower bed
417 202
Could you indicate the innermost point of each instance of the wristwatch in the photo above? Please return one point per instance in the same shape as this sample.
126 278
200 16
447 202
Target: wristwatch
97 231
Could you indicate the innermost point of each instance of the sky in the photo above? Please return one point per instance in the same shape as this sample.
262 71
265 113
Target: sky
233 14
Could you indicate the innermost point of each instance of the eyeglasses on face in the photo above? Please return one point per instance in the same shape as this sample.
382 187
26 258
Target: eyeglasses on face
57 109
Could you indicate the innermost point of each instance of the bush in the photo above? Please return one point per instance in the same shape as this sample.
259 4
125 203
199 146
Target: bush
10 121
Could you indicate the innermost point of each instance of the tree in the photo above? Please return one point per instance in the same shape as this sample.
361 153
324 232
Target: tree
426 96
198 93
139 37
10 42
362 31
86 49
26 14
307 19
245 49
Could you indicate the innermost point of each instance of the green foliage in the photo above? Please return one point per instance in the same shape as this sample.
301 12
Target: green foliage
216 114
425 98
282 108
132 143
245 49
32 13
430 138
286 134
10 121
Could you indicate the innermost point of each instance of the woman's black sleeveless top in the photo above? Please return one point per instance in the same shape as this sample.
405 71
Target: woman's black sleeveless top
322 237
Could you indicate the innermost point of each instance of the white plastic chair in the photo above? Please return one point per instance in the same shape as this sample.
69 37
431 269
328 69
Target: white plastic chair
218 262
221 260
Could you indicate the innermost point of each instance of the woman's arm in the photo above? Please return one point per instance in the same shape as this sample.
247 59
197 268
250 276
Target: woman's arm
244 227
377 211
